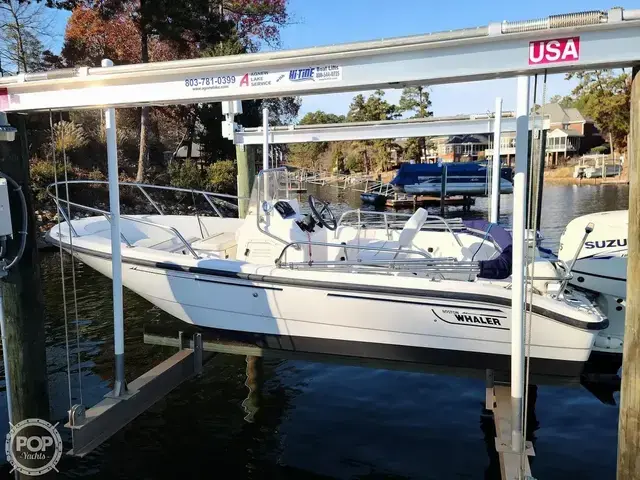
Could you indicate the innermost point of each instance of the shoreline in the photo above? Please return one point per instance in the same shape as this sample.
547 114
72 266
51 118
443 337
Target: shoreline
585 181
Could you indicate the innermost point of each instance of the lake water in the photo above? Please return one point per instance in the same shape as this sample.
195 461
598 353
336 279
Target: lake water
310 420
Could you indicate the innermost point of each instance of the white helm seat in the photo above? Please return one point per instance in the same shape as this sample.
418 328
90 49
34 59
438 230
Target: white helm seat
404 242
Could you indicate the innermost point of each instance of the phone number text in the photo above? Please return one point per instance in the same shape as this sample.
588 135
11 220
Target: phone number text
205 81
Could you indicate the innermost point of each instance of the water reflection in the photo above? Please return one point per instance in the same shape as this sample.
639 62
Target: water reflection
246 418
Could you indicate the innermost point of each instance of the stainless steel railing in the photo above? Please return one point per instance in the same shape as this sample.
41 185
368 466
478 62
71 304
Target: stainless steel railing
345 246
433 222
210 197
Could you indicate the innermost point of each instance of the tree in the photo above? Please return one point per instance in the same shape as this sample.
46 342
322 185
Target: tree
130 30
564 101
282 111
417 101
256 20
89 38
374 154
312 154
141 31
605 96
23 26
372 109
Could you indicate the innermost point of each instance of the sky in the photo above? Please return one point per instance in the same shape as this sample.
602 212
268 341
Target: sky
327 22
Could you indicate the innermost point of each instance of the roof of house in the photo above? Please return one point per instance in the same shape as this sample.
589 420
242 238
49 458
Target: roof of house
559 114
560 132
458 139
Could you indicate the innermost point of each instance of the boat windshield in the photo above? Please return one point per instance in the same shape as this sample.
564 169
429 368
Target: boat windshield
269 186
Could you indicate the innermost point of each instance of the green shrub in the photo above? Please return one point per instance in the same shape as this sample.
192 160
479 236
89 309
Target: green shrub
221 177
601 149
354 162
42 173
185 175
96 174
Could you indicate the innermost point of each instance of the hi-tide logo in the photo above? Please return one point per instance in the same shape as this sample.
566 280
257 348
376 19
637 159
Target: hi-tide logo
302 74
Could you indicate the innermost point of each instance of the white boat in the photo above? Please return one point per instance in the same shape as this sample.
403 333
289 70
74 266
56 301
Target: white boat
371 284
601 270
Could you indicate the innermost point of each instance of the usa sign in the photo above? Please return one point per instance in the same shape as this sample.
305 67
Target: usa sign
554 51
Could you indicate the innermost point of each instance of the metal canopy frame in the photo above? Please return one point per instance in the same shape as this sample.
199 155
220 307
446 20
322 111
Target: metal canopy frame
335 132
559 43
499 50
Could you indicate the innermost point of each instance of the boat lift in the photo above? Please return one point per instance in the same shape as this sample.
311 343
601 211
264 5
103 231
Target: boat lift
401 128
559 43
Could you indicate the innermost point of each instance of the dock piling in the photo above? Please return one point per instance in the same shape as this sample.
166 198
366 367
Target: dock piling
22 292
246 159
629 420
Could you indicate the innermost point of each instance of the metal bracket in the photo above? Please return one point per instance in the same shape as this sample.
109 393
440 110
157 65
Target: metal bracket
197 354
505 447
77 415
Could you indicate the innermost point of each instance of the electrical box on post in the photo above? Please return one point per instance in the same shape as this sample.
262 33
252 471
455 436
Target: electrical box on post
5 211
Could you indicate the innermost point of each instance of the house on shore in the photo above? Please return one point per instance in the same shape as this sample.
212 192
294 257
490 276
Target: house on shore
570 134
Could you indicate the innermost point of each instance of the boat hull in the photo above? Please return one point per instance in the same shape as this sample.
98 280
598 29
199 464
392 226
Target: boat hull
430 327
375 199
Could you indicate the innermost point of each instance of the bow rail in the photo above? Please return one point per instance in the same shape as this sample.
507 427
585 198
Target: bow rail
210 197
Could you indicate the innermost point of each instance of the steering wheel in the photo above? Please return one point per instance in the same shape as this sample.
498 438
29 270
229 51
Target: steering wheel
322 213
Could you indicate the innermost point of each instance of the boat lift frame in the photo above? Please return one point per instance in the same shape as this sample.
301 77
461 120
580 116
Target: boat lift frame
497 123
405 128
597 39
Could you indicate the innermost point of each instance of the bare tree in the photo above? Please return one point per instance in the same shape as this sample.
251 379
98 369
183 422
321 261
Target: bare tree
24 27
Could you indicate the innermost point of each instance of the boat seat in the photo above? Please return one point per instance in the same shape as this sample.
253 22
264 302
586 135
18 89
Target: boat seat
405 240
224 244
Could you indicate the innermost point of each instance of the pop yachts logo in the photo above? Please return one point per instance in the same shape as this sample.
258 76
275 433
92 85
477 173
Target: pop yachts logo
33 447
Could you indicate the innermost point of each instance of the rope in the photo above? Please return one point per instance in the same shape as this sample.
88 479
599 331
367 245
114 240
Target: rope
73 265
64 292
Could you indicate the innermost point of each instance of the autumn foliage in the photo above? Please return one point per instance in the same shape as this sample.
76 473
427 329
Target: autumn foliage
257 20
89 38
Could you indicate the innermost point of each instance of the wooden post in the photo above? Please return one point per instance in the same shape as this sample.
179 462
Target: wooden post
23 300
629 422
443 189
254 382
537 178
246 159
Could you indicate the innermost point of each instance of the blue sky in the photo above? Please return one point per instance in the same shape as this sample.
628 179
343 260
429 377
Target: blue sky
325 22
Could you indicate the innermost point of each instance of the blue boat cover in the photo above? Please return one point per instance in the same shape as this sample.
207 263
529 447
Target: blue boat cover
495 231
498 268
409 172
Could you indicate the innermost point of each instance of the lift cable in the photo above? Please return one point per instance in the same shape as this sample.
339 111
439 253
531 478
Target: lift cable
64 290
536 164
73 266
